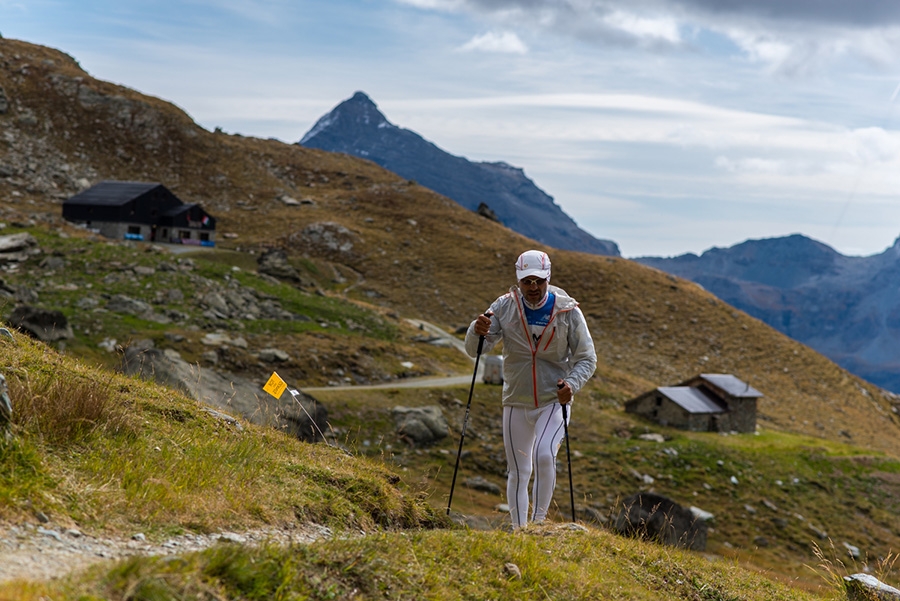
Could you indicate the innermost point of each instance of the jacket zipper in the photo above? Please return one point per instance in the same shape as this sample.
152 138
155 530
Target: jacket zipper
534 348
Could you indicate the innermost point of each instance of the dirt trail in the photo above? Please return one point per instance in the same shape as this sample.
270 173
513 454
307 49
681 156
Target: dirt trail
30 552
425 382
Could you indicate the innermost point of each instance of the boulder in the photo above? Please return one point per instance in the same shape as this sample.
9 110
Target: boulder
479 483
273 355
274 262
324 238
420 425
43 324
18 247
119 303
302 416
487 212
864 587
657 518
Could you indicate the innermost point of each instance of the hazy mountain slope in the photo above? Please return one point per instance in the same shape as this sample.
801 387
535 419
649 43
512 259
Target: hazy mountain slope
403 247
356 127
844 307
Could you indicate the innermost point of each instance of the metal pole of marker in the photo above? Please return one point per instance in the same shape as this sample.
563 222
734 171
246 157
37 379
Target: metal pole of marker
568 456
295 394
462 435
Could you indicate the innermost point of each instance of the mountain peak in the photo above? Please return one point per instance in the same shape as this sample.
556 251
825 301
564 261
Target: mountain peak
360 97
356 112
356 127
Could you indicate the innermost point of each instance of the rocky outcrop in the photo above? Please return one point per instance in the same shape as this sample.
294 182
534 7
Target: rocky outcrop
324 239
865 587
657 518
420 425
43 324
301 415
16 248
274 262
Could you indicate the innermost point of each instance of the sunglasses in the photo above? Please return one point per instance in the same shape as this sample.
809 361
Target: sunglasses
533 281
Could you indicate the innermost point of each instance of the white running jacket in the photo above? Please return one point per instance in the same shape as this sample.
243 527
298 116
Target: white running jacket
565 349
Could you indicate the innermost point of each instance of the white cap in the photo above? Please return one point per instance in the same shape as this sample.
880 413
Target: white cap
533 263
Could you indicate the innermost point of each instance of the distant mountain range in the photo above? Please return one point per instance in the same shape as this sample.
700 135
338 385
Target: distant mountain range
356 127
847 308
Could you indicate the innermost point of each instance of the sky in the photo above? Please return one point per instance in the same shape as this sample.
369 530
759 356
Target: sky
667 126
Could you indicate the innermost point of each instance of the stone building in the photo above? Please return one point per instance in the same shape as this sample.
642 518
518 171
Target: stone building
140 211
705 403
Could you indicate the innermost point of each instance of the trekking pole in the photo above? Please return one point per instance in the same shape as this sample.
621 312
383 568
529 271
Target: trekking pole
568 456
462 435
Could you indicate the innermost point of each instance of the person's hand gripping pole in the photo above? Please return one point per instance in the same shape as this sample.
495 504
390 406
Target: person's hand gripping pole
564 393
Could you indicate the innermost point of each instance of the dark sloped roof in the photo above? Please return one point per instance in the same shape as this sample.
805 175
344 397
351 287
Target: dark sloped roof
112 193
732 385
175 211
692 400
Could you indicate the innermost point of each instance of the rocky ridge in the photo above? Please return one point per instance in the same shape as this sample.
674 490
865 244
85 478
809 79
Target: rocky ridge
495 189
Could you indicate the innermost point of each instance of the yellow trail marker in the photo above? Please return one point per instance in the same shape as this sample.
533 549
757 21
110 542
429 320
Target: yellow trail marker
275 386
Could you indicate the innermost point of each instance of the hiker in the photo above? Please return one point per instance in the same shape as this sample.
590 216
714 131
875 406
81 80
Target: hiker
548 356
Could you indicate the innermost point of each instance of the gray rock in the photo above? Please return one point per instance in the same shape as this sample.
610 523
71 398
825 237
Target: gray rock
25 295
324 238
511 570
479 483
275 263
173 295
86 303
301 416
420 425
226 418
216 302
273 355
18 247
51 533
53 263
863 587
852 550
43 324
119 303
660 519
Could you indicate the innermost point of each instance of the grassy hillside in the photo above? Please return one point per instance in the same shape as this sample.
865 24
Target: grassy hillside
111 454
827 450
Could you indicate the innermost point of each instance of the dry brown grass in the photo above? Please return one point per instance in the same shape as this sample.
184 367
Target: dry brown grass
61 410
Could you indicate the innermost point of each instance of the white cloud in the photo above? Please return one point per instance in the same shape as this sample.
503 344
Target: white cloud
648 28
504 42
750 165
441 5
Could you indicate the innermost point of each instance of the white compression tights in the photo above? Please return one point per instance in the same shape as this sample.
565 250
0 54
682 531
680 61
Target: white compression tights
531 438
